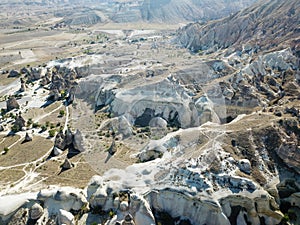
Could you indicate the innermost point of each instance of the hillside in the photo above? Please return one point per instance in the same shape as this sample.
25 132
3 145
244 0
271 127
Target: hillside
159 11
267 24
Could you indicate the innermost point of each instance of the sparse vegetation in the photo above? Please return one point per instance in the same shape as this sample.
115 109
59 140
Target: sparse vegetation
15 128
43 128
62 113
35 125
111 213
5 150
52 133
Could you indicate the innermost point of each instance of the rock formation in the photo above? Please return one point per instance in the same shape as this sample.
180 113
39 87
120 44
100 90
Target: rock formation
200 140
13 73
19 123
259 21
23 85
12 103
66 165
112 149
27 138
36 211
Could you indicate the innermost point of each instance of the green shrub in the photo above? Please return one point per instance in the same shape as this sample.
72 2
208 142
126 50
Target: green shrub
44 128
61 113
36 125
52 133
15 128
6 149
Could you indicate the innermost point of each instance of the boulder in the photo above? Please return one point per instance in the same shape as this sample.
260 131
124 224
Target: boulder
78 141
35 74
66 165
245 166
27 138
24 71
60 141
128 220
158 122
12 103
56 151
68 137
124 206
19 123
112 149
65 218
63 140
23 85
36 211
71 95
99 198
13 73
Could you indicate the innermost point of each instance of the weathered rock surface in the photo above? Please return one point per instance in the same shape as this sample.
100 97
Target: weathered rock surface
19 123
65 217
67 165
12 103
13 73
275 20
176 11
228 151
69 140
27 138
36 211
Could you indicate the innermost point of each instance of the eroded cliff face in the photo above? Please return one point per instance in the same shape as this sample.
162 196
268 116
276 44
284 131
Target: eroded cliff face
264 25
189 10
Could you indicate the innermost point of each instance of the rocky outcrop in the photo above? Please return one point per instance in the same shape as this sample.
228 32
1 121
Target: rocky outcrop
67 165
164 99
27 138
78 141
65 218
23 85
68 139
36 211
19 123
12 103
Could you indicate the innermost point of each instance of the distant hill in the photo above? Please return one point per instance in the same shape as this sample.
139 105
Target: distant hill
265 24
164 11
189 10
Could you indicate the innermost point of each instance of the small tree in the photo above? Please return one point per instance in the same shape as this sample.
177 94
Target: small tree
29 122
44 128
36 125
6 149
52 133
61 113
